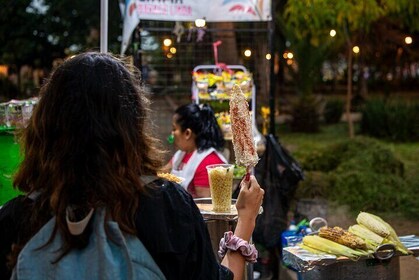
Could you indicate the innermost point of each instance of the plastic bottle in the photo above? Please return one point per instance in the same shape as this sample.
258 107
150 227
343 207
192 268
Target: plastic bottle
288 237
292 226
171 139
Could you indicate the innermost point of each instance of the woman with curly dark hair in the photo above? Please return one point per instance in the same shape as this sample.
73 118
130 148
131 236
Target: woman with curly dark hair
88 146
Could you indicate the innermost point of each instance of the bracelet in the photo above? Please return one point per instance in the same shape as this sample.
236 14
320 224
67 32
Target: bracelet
234 243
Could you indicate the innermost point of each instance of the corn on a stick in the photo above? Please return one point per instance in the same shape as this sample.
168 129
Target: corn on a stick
241 126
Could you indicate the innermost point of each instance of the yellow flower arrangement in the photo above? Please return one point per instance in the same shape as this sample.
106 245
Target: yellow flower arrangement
265 112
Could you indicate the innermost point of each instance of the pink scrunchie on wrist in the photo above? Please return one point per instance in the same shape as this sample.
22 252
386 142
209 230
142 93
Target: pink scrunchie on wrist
234 243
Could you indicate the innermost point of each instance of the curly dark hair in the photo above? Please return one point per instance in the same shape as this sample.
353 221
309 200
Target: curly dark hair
87 144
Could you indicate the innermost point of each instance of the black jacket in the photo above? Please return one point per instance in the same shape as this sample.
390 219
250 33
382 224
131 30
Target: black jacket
168 223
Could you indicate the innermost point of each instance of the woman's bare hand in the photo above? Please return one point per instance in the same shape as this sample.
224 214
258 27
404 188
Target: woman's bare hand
248 205
249 199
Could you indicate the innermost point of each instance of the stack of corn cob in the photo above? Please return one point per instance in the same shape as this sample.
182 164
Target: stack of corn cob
361 239
320 245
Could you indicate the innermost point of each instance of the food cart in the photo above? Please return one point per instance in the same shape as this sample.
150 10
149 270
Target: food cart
310 266
13 115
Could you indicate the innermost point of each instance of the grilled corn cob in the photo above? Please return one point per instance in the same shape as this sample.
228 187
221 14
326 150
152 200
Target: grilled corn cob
328 246
341 236
371 222
371 239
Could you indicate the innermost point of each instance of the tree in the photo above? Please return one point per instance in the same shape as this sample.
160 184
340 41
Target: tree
306 24
24 43
306 27
356 21
353 18
37 32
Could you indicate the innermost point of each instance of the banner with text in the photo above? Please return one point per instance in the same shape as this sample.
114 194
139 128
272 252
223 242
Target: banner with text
210 10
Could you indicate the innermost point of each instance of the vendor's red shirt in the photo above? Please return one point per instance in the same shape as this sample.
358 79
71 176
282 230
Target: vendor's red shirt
201 176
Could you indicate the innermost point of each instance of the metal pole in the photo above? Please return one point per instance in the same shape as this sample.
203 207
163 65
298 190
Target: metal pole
138 57
271 27
103 26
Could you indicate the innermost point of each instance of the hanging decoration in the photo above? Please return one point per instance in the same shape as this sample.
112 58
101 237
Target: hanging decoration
178 30
200 33
222 66
215 48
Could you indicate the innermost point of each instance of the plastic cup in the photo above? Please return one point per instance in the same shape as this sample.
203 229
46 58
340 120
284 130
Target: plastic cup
221 186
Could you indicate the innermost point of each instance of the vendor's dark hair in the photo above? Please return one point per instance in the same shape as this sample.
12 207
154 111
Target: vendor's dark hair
201 120
87 144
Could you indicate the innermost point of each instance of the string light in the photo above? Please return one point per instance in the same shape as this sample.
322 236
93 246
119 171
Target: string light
200 22
408 40
167 42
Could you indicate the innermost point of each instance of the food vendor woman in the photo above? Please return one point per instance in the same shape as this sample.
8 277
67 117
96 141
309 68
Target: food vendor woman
199 141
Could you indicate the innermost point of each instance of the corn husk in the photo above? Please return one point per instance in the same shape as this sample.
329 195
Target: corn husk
372 239
331 247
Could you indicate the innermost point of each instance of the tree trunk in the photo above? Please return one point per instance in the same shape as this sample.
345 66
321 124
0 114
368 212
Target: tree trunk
227 51
262 69
349 94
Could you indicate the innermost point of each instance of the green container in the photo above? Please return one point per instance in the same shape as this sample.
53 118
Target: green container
9 161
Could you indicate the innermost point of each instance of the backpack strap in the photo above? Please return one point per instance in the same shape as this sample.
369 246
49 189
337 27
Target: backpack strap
77 228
